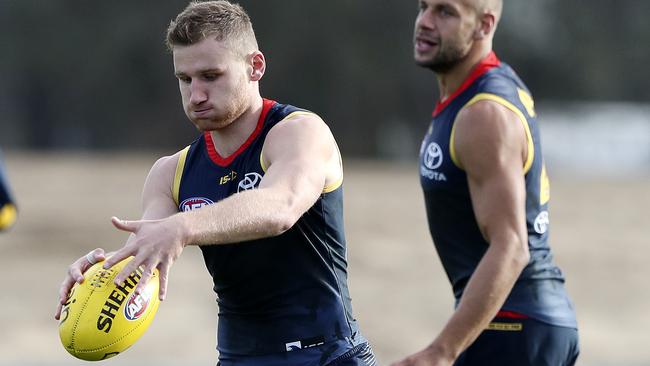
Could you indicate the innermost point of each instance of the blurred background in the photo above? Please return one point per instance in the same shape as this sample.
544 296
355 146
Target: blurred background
88 101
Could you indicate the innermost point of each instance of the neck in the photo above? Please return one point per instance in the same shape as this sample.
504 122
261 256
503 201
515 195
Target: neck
228 139
451 80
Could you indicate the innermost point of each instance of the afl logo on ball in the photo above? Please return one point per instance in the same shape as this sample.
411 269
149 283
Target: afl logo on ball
137 305
250 181
194 203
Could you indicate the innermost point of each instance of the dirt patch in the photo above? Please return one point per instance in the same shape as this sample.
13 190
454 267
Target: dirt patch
599 233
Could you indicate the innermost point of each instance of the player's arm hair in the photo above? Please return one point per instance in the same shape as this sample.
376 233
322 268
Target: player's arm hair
491 145
298 153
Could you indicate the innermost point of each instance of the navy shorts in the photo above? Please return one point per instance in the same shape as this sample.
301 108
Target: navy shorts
325 355
522 342
361 355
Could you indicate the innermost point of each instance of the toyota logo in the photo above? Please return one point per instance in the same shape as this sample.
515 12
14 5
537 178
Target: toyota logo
250 181
433 156
541 222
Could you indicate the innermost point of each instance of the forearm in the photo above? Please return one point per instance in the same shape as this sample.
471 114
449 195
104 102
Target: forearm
244 216
483 297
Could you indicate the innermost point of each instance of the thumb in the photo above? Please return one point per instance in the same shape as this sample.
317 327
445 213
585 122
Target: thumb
130 226
98 255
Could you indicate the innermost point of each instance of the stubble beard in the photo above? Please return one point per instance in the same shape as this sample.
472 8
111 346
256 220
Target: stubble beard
445 59
234 109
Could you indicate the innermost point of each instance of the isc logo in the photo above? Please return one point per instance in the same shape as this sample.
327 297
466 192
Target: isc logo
228 177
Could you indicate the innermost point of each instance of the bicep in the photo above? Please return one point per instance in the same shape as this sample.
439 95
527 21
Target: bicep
299 154
491 143
498 199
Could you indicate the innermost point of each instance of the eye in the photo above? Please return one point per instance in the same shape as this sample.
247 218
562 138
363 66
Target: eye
445 12
210 77
184 79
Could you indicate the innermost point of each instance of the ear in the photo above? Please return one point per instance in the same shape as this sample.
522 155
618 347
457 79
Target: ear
258 66
485 26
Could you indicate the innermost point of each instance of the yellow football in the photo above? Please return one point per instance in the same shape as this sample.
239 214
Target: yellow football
101 319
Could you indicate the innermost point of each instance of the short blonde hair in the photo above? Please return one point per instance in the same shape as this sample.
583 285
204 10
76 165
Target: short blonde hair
220 19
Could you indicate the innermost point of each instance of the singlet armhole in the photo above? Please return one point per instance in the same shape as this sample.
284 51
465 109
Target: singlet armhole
530 154
328 188
180 166
338 182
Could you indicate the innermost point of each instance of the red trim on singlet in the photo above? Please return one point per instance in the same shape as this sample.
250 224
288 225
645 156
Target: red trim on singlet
511 315
489 62
221 161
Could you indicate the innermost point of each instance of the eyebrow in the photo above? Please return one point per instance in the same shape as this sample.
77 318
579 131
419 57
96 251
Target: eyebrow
203 71
446 5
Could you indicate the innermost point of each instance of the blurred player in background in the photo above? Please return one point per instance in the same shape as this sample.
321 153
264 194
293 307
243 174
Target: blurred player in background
8 211
260 191
486 194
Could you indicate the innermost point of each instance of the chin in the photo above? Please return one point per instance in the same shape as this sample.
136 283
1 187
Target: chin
205 125
423 62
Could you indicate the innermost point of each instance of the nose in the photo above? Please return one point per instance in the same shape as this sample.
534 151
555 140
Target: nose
198 93
424 20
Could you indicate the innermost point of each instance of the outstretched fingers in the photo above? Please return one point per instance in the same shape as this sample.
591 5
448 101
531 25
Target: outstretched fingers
163 271
124 225
118 256
147 272
128 269
151 247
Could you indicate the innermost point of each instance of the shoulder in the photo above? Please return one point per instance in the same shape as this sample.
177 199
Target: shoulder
169 163
303 119
485 115
165 169
497 92
294 126
485 131
163 178
300 137
279 113
299 124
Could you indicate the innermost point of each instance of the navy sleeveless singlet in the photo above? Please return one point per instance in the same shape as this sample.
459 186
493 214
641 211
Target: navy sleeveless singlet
539 291
280 293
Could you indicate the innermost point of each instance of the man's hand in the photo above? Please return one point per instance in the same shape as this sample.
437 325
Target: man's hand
426 357
153 244
75 275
